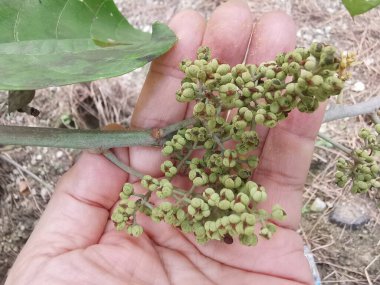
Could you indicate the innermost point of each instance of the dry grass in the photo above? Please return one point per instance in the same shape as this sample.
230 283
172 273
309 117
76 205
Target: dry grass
98 103
343 256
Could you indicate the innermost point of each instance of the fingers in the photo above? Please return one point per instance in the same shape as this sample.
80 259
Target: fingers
285 161
227 34
157 105
275 32
79 210
285 151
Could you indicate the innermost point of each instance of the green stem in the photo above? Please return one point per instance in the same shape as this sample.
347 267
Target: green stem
183 160
218 142
179 192
335 144
110 156
187 200
86 139
146 203
214 136
79 139
186 195
176 126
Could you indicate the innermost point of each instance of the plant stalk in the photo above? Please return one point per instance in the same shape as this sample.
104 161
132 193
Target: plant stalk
86 139
111 157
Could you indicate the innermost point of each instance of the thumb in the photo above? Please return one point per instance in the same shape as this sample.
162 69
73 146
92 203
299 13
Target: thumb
79 209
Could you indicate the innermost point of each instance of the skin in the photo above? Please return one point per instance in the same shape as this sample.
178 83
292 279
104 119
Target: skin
75 241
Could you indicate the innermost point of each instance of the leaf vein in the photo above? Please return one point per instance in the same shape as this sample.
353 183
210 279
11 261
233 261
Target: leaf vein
89 8
15 32
95 16
59 18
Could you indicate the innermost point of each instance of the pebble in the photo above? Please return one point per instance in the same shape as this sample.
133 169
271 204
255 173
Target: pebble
318 205
352 213
23 187
45 194
59 154
358 87
369 61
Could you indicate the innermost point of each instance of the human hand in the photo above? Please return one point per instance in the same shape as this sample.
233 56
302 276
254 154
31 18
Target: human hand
76 243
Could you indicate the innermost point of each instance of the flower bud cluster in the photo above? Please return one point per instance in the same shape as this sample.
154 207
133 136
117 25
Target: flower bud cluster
123 215
222 202
362 171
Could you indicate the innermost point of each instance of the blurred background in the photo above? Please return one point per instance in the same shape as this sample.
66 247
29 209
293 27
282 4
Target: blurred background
346 252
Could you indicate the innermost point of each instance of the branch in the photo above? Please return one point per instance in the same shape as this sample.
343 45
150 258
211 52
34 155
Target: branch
110 156
337 112
86 139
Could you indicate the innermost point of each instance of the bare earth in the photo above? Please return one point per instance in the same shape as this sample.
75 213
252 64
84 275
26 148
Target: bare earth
343 255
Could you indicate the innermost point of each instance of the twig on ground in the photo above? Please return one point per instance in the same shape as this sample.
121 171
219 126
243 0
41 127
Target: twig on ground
23 169
335 144
367 267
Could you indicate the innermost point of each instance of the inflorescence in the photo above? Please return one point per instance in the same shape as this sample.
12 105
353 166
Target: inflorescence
216 153
362 170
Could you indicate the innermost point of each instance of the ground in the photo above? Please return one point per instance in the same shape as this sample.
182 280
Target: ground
343 255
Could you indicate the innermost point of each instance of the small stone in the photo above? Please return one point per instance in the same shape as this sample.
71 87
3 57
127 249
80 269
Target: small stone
351 213
319 31
358 87
39 157
23 187
45 194
369 61
59 154
307 37
318 205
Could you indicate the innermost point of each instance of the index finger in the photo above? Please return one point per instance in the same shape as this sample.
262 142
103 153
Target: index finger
157 105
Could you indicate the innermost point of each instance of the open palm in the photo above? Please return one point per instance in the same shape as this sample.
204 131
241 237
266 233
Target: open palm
75 241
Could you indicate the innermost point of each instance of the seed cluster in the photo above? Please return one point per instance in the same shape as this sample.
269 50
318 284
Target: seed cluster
362 170
216 154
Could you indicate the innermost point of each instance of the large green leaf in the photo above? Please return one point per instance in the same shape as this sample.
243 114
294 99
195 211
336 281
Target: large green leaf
58 42
357 7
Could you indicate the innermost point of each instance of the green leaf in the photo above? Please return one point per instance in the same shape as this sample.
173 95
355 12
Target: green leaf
57 42
357 7
19 99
